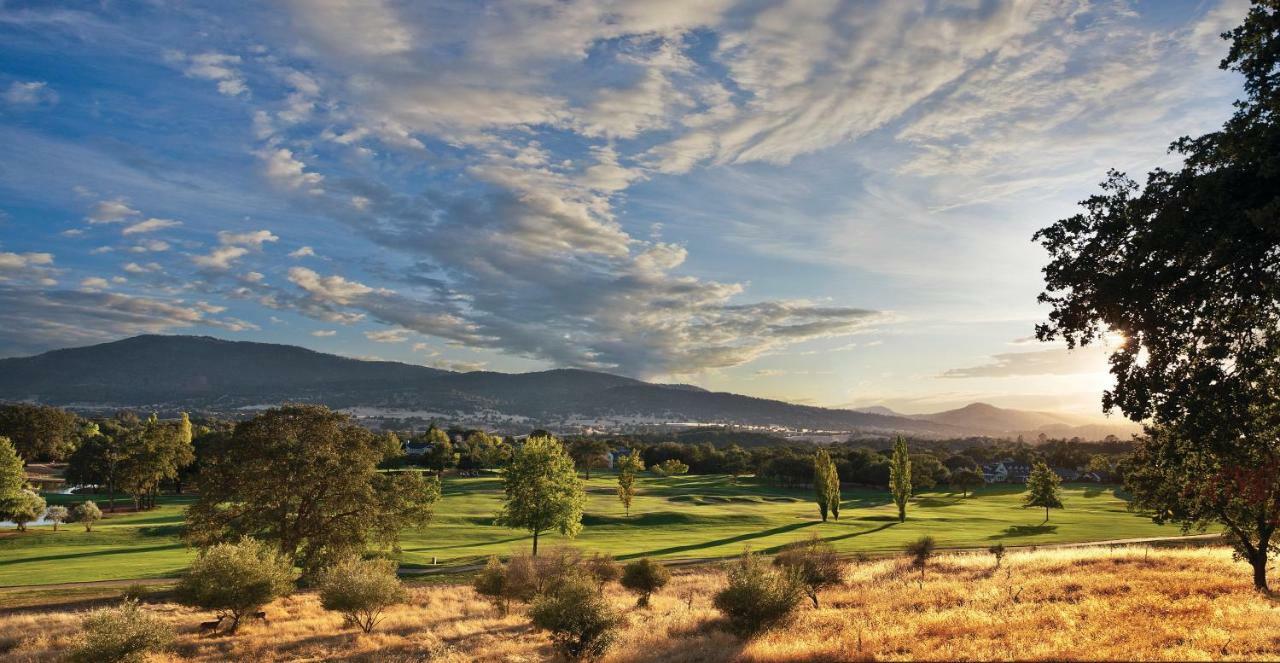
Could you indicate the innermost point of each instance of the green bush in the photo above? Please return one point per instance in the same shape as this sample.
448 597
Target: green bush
56 514
920 551
757 598
361 590
236 579
126 634
86 513
491 583
578 618
23 508
644 577
815 563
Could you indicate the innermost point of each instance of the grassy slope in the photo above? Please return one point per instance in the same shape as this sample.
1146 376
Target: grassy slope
680 517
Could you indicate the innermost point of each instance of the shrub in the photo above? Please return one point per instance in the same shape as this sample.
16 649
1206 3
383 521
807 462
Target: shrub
578 618
997 551
920 551
529 577
361 589
491 583
757 598
236 579
125 634
669 467
603 568
644 577
814 563
87 513
56 515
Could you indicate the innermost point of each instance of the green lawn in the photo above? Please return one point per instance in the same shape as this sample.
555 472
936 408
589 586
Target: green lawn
677 517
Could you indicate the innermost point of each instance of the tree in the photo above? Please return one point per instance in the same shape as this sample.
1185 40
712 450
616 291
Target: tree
966 480
1043 490
361 590
920 551
124 634
153 453
55 515
588 453
236 579
40 432
826 484
543 491
86 513
441 456
1180 270
627 467
900 477
578 617
99 459
815 563
305 479
737 461
643 577
669 468
928 472
13 475
26 507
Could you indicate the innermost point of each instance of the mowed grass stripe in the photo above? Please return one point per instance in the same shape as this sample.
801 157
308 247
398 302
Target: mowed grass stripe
673 517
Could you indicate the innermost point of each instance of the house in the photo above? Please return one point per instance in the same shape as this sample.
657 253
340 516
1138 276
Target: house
1066 473
1017 472
416 449
995 473
611 458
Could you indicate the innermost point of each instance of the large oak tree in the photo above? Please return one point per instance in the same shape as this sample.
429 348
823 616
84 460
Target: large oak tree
1185 271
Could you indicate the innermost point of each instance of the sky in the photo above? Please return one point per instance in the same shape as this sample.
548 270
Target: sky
821 202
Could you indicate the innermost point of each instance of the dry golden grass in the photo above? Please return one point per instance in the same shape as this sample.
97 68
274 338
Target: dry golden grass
1126 604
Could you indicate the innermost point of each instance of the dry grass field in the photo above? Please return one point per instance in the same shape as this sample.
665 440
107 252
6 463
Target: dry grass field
1064 604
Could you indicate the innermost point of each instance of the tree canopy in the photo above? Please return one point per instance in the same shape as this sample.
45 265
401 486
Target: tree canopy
900 477
305 479
543 491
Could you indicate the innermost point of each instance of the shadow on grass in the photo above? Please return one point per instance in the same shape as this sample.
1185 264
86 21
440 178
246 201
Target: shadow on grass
720 542
93 553
1025 530
832 539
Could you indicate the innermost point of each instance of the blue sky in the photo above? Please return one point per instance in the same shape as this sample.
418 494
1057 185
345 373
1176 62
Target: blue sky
823 202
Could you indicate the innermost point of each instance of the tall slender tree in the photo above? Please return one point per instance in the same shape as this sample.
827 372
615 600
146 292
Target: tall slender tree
543 491
826 485
627 467
900 477
13 476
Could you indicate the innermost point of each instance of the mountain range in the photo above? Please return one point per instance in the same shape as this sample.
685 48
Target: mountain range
203 373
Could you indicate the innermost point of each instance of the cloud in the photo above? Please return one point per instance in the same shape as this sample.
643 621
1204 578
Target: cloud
322 333
253 239
366 29
111 211
388 335
94 283
282 168
221 258
30 93
135 268
302 252
150 225
331 289
218 67
1056 361
150 246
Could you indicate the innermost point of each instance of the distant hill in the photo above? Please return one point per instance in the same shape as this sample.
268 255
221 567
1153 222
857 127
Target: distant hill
986 419
207 373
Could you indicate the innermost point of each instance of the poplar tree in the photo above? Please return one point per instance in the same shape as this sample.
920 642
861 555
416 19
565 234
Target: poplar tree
900 477
628 465
826 485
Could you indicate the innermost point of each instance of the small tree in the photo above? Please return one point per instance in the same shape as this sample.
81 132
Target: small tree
491 583
236 579
26 507
13 476
920 551
814 563
823 482
543 491
669 468
757 598
998 552
588 453
361 590
628 466
125 634
900 477
1043 489
578 618
86 513
965 480
56 515
603 568
643 577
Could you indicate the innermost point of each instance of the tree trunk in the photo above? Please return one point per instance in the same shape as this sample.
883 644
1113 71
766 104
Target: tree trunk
535 543
1259 563
1046 515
